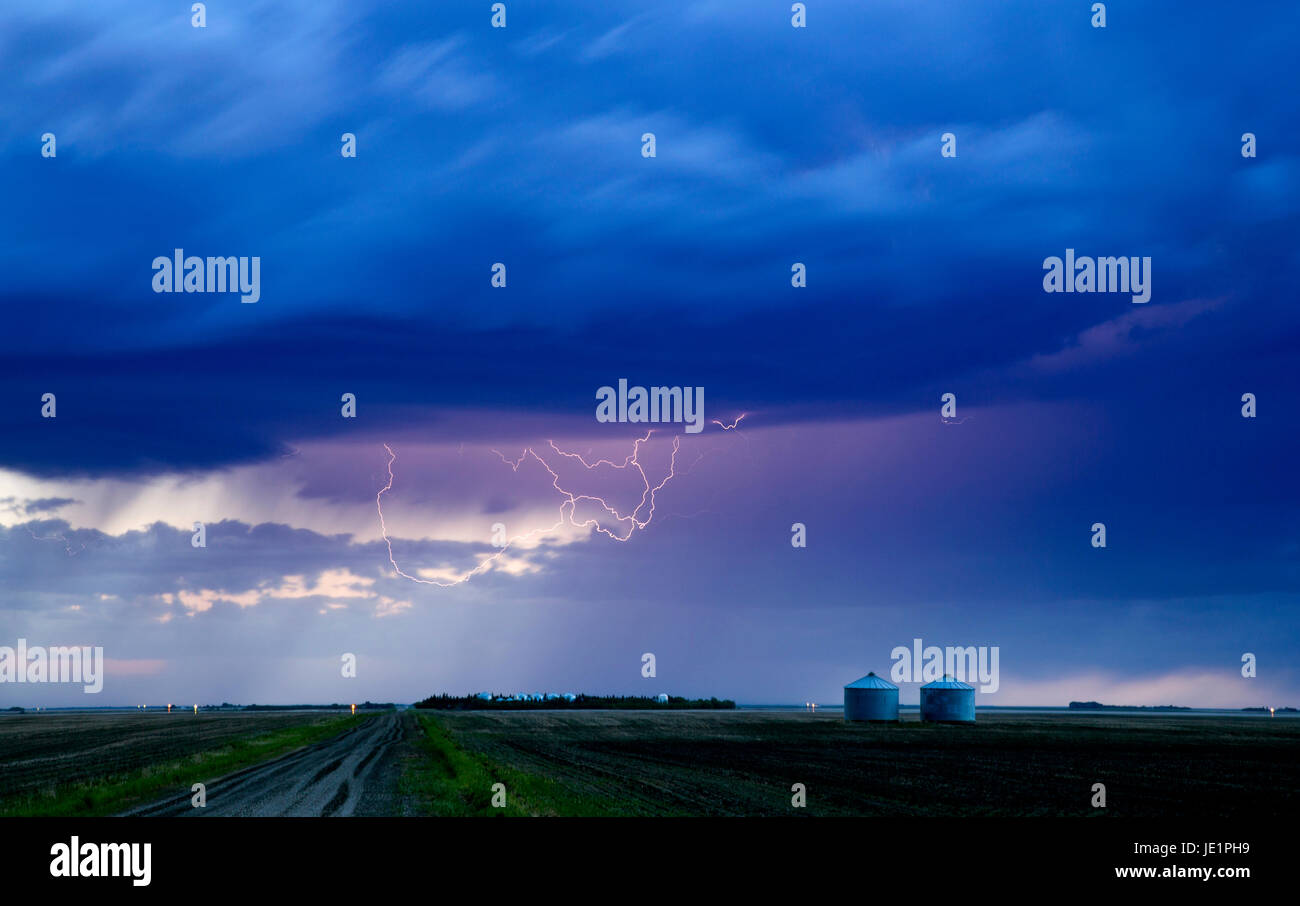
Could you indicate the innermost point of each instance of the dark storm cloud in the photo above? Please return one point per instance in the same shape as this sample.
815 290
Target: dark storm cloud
523 146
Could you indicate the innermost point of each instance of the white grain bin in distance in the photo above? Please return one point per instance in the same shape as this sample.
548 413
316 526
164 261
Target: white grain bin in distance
662 698
948 700
871 698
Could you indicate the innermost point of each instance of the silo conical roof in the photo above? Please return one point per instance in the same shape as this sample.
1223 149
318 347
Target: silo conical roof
871 681
947 683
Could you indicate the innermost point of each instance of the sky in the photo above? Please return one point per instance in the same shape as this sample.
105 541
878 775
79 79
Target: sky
475 404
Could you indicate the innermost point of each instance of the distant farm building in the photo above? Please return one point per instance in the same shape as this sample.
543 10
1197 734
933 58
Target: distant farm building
948 700
871 698
662 698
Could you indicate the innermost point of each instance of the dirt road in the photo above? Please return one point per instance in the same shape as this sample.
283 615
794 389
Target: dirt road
352 774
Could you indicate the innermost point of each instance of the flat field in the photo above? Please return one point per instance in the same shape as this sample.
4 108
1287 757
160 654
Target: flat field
94 763
745 763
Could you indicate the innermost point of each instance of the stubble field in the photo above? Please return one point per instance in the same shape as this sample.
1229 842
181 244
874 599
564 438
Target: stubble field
746 762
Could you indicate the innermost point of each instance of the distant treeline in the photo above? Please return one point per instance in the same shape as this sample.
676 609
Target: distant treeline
581 702
363 706
1098 706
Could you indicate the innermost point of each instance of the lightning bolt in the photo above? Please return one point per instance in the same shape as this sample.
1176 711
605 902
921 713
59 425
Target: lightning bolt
733 424
67 545
614 524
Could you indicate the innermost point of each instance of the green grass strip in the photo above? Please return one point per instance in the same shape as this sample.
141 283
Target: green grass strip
450 782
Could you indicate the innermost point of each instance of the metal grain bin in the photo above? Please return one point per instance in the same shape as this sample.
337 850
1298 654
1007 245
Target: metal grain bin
871 698
948 700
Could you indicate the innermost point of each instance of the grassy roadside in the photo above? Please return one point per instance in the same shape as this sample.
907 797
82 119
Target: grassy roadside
112 793
446 781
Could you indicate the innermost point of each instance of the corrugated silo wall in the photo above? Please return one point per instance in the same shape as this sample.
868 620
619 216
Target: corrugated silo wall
871 704
948 704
